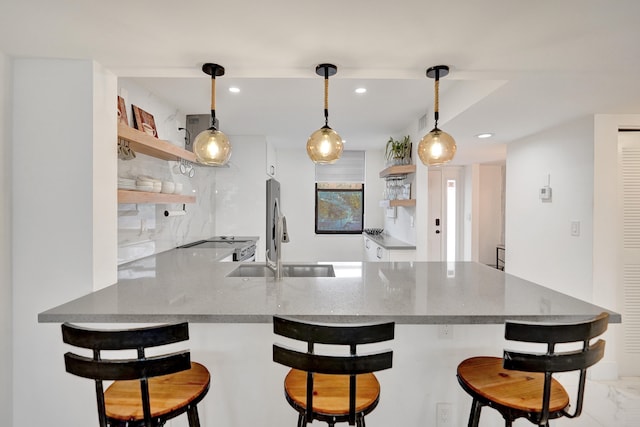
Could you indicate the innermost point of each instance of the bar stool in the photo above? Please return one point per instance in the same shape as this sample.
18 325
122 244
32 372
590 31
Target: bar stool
521 384
146 391
332 388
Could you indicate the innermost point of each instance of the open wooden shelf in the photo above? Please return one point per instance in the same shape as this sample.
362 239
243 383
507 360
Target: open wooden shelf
392 203
398 170
131 196
142 143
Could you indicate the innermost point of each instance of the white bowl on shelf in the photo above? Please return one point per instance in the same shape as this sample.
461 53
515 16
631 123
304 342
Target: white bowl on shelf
168 187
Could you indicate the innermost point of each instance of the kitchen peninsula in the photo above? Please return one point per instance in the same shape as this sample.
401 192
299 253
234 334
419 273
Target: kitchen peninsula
231 333
189 284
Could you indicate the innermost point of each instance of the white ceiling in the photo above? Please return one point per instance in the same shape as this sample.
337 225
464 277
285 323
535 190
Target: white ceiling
517 67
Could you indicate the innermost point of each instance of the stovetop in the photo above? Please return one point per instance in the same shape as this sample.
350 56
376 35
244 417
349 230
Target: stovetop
218 242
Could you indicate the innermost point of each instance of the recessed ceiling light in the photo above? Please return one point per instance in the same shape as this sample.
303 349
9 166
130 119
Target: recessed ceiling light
484 135
361 90
234 89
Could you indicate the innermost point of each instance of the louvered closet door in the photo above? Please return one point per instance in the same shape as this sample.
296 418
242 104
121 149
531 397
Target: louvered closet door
629 167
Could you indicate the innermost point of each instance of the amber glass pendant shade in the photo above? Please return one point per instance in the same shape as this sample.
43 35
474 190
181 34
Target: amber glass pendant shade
211 147
436 147
324 146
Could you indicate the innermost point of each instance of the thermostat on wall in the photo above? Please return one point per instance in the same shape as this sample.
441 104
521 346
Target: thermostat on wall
545 193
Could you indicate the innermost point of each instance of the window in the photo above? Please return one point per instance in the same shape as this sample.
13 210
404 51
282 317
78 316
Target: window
340 195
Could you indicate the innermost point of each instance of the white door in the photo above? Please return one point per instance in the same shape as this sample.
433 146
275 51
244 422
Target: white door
445 208
629 181
435 227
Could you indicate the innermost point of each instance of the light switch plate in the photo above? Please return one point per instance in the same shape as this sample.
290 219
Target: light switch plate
575 228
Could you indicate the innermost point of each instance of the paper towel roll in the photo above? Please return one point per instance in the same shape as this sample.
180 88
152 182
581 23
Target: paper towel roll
175 213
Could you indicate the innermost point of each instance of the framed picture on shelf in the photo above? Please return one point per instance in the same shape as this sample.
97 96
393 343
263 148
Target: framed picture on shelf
144 121
122 112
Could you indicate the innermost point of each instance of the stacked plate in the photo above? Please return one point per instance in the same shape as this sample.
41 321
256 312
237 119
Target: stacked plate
127 183
147 183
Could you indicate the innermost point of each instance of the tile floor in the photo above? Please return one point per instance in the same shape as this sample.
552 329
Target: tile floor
609 404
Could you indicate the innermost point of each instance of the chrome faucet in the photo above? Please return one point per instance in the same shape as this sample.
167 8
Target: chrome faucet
281 236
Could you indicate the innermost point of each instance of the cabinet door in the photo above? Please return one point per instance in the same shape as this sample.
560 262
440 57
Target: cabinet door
402 255
382 254
369 249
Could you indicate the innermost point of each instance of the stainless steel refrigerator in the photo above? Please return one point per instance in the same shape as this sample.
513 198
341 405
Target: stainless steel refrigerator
273 204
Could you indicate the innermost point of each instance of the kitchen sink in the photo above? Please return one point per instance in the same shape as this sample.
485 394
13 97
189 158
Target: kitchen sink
288 270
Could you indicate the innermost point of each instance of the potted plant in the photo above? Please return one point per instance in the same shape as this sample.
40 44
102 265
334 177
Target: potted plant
398 152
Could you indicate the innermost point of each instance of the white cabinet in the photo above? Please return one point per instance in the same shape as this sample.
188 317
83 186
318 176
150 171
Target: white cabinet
369 249
374 252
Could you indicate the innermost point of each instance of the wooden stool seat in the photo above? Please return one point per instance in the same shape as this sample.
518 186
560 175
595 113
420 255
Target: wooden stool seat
515 389
330 392
520 384
167 394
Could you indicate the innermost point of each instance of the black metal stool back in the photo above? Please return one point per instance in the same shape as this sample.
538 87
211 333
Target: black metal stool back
140 368
548 363
350 365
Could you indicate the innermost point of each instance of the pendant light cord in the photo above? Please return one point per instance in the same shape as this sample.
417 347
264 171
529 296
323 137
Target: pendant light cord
213 100
436 98
326 97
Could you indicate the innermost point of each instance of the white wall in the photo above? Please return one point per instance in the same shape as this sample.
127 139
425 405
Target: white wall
6 311
296 174
240 191
105 169
53 223
539 244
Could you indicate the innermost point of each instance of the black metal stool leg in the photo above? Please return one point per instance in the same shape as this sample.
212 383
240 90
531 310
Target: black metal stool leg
301 420
474 416
192 414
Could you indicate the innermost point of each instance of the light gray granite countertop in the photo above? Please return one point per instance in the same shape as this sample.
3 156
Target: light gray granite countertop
389 242
189 285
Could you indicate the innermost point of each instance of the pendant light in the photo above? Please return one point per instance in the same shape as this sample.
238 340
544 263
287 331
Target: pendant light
436 147
325 145
211 146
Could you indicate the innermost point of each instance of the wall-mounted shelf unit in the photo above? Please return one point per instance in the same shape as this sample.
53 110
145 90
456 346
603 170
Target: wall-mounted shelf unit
131 196
394 171
141 143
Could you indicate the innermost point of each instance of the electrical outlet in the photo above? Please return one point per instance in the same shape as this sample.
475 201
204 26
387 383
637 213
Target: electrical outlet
445 332
444 414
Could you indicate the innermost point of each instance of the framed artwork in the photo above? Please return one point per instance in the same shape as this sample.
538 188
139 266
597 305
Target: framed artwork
339 210
144 121
122 112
